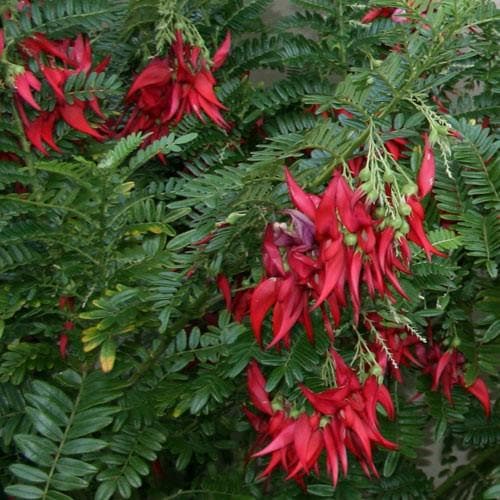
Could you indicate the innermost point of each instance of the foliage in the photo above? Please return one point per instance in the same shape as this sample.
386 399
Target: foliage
122 373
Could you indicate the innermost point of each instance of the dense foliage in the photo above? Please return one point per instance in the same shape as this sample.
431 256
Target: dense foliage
216 288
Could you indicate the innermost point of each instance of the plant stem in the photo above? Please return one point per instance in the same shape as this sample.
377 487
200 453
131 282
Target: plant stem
464 471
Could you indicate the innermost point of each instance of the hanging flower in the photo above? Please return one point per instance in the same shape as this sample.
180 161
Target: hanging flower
169 88
447 370
392 346
56 61
344 419
336 244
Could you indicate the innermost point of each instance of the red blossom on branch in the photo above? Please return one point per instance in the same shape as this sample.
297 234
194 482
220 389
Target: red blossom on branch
344 419
169 88
447 370
336 244
56 61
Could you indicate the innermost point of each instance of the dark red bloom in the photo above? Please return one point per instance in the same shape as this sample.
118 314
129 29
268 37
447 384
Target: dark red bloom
56 61
169 88
66 302
336 244
68 326
344 419
392 346
447 370
417 231
63 345
427 172
257 389
377 12
397 147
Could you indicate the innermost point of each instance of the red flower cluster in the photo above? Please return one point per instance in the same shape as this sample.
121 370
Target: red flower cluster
338 241
392 347
381 12
56 60
169 88
239 303
405 349
447 370
344 419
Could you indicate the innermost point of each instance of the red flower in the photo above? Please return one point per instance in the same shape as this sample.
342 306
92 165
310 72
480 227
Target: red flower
376 13
171 87
63 345
417 231
68 326
447 370
66 302
392 346
336 243
344 419
257 389
427 172
396 147
56 60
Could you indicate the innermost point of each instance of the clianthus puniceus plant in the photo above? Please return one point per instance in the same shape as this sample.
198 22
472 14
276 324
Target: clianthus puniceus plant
217 287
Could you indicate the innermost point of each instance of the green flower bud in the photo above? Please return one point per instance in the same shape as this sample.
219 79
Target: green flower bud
350 239
372 196
365 174
404 209
396 222
409 189
389 176
405 228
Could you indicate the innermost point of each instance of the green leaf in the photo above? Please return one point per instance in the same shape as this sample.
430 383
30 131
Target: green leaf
50 392
36 449
184 239
28 473
105 491
321 490
391 462
492 493
44 424
24 491
184 139
56 495
139 465
492 332
440 429
83 445
75 467
86 427
68 482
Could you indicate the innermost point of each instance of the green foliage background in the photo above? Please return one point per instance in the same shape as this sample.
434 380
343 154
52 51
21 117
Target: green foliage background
111 225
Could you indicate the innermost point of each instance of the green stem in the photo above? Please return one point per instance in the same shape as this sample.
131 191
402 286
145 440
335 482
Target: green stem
61 444
342 48
326 174
462 472
16 199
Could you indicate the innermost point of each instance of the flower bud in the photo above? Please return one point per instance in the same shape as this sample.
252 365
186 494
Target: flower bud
389 176
365 174
350 239
409 189
404 210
